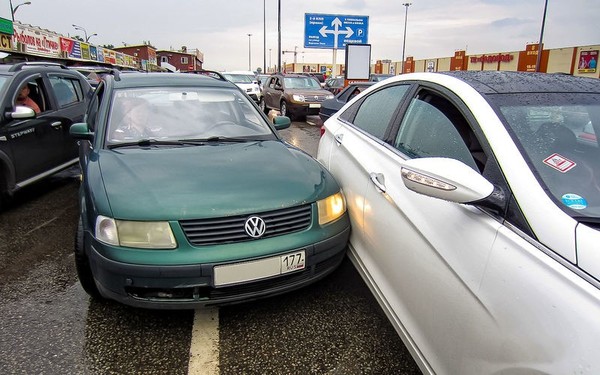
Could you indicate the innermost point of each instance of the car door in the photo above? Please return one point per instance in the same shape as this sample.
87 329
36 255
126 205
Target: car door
70 96
36 144
347 150
430 263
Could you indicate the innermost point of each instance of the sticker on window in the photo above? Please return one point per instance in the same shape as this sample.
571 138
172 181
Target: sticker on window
574 201
559 162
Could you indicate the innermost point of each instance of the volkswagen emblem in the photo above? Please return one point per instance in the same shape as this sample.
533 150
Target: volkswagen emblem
255 227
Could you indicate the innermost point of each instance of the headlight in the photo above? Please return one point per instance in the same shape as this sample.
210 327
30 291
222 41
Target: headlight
139 234
330 96
331 208
298 98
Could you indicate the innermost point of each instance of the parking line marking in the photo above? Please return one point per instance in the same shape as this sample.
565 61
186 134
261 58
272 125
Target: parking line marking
204 348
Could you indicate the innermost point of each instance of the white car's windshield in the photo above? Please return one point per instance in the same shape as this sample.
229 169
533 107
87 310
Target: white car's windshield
239 78
176 113
558 134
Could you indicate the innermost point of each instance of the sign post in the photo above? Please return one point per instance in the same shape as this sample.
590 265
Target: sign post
331 31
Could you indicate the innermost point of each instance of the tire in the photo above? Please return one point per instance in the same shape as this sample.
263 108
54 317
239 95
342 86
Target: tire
284 110
263 106
82 264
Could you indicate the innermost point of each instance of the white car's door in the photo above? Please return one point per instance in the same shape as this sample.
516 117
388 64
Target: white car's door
345 150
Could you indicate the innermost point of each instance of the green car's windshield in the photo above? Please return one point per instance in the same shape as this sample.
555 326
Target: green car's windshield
180 114
558 134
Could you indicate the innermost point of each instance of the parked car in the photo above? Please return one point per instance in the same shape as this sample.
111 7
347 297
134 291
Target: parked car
475 216
248 83
318 76
331 106
34 146
93 74
334 85
189 197
379 77
294 95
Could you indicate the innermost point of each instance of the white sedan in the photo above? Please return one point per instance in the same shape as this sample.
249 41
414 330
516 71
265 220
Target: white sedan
475 211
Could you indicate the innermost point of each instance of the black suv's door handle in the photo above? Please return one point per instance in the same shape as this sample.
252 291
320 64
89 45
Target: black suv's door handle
56 125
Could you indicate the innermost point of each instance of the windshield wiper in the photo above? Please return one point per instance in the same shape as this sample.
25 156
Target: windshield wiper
217 139
145 143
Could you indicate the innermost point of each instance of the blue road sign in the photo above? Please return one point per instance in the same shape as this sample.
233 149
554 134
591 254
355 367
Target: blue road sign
334 31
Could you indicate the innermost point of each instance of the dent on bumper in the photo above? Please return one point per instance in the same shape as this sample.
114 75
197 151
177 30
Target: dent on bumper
190 286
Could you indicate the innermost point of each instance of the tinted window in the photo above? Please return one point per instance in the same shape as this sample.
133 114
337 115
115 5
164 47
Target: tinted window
376 110
433 127
66 90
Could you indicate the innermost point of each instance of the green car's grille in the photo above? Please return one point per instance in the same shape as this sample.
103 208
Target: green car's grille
232 229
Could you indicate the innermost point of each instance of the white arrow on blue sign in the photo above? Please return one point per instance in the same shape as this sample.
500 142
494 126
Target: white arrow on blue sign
334 31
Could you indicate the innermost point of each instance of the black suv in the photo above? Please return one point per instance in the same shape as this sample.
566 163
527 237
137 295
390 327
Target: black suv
36 145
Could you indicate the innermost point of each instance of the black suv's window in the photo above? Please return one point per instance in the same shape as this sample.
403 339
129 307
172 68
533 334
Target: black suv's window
67 90
37 93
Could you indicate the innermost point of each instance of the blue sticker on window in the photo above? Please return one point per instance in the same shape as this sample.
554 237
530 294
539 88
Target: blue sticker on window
574 201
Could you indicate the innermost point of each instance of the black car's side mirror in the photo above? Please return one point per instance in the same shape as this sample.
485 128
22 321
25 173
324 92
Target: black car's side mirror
21 113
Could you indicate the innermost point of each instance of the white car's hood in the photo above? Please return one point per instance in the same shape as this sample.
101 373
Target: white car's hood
588 249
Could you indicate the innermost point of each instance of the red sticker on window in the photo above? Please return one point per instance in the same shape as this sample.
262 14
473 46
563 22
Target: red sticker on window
559 162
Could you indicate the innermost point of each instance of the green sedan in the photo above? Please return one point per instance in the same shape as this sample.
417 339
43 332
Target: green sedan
189 197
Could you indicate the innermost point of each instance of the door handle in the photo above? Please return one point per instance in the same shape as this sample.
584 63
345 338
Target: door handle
56 124
379 180
339 138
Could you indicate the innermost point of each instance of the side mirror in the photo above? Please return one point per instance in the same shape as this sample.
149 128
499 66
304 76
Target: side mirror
281 122
80 130
21 113
451 180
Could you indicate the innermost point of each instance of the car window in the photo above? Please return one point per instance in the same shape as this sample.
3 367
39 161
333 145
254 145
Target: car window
433 126
557 134
37 93
67 90
176 113
301 83
376 111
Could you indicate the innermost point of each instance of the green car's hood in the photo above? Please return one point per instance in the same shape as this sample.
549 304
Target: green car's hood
209 181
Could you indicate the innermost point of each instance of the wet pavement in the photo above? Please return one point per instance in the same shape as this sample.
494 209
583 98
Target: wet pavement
50 326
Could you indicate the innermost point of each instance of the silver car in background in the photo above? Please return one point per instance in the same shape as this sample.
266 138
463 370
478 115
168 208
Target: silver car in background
474 199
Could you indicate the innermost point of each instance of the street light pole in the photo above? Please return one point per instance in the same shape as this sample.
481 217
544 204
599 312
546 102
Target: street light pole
87 38
406 5
541 45
13 10
249 53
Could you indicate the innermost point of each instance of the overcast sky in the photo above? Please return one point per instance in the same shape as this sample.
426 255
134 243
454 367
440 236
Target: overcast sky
436 28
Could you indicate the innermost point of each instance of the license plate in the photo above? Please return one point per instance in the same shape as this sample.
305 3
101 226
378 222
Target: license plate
258 269
314 105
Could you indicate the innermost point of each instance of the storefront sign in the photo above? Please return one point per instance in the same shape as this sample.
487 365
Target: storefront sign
492 58
588 61
35 41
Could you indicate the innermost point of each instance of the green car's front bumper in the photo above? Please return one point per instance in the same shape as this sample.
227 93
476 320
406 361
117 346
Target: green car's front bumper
191 286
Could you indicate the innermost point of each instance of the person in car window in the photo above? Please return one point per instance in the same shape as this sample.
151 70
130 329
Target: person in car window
24 99
134 119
